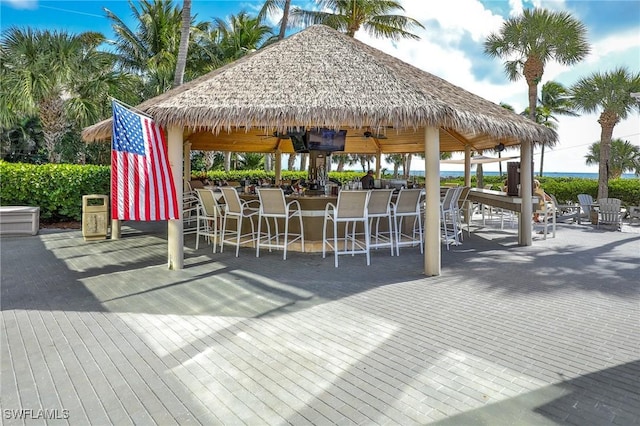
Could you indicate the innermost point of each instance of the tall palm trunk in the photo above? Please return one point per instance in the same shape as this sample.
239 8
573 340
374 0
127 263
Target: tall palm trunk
292 161
407 170
607 121
285 18
184 43
54 124
227 161
303 161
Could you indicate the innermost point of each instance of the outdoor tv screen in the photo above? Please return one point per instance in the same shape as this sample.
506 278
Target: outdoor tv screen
321 139
298 140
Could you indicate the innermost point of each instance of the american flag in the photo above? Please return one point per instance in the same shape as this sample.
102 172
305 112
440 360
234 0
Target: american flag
141 181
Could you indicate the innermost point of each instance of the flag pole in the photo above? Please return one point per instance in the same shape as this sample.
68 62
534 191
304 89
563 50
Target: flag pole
138 111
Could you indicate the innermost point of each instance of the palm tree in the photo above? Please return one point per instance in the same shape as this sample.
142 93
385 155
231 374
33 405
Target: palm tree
553 101
272 6
348 16
20 143
185 28
532 40
397 160
60 77
610 93
250 161
151 49
242 34
341 160
625 157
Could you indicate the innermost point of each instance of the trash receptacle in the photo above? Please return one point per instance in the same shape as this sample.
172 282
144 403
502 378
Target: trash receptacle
95 217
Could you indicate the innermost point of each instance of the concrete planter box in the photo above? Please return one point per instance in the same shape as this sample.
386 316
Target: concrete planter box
19 220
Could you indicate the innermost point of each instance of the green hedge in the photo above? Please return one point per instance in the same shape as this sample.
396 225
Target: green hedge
58 188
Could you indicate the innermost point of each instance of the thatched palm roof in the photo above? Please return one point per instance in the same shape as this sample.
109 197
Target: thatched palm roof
320 77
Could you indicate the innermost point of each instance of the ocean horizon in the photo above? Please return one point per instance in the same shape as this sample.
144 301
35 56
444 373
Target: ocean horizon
460 173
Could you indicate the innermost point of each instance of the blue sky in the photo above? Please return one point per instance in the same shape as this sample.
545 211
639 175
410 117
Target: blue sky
450 47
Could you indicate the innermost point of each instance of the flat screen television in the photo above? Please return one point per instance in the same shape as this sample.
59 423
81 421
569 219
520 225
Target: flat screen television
321 139
298 140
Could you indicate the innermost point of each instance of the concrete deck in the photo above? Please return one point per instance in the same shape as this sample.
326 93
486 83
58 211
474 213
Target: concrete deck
102 333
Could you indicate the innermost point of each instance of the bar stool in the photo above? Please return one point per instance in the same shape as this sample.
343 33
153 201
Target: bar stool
350 209
407 206
450 216
379 207
236 209
273 207
209 214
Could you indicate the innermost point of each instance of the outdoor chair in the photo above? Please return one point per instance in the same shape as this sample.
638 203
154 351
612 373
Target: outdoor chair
547 213
238 210
407 206
465 210
565 211
190 207
209 216
349 211
634 214
450 216
379 207
274 209
586 206
610 212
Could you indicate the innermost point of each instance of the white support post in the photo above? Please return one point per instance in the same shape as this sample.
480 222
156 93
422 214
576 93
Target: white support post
526 192
175 229
467 165
467 182
116 231
432 246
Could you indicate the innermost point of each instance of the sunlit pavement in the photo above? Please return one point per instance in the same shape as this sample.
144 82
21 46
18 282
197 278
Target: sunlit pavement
103 333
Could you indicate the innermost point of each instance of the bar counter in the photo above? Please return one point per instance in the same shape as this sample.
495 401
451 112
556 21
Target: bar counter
312 207
497 199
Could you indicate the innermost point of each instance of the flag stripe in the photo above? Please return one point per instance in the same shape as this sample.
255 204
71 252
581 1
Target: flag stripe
142 185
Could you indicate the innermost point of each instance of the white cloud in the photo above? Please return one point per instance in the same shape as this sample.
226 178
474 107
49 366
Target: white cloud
440 52
23 4
616 42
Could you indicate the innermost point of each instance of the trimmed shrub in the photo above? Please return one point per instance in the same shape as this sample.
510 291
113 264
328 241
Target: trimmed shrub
56 188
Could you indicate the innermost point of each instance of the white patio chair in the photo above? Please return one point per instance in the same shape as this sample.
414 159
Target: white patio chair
274 208
565 211
209 216
610 212
407 206
547 213
379 207
350 210
450 216
634 214
190 207
238 210
586 205
465 210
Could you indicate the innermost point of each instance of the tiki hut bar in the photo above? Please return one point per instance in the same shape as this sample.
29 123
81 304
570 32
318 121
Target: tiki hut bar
320 78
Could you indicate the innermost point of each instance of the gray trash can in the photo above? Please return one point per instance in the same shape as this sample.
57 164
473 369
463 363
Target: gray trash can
95 217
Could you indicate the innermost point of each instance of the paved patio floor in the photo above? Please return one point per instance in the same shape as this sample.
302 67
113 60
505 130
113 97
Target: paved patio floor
103 333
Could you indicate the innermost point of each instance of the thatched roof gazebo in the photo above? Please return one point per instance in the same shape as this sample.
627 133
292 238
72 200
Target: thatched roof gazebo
320 77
